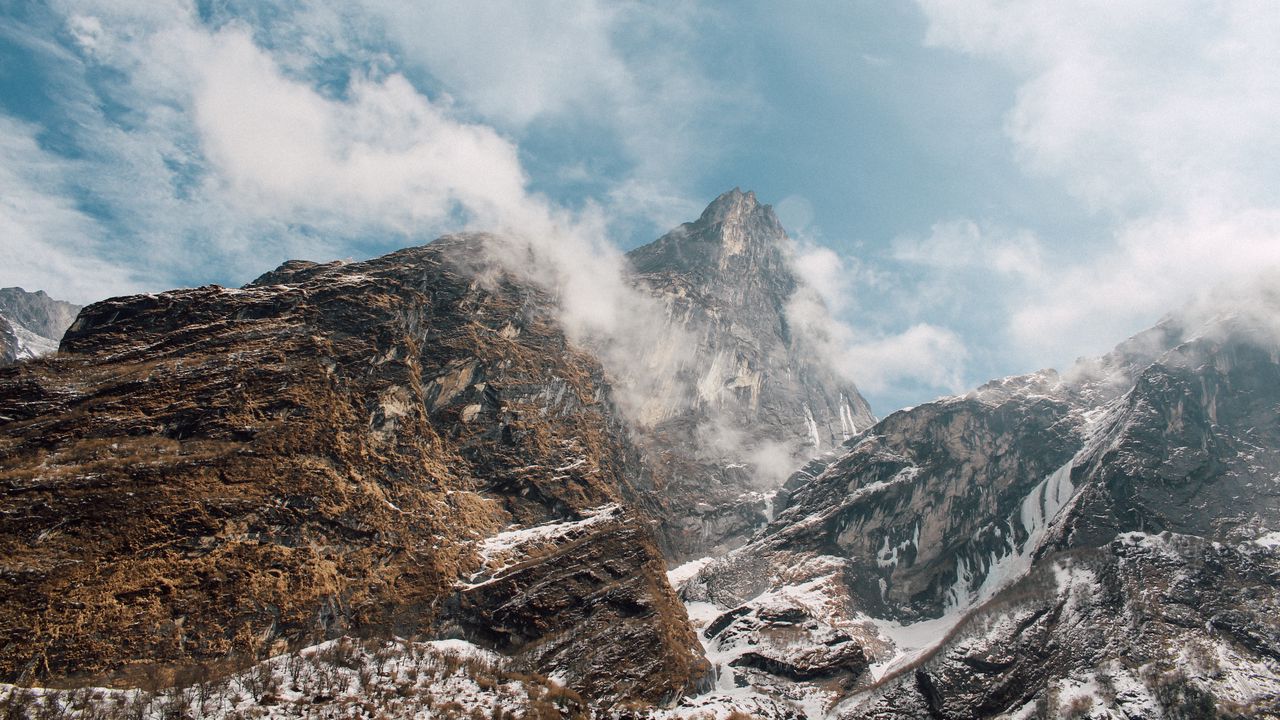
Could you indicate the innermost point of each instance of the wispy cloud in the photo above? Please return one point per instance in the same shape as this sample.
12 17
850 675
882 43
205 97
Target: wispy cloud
49 244
628 71
1158 115
920 358
237 135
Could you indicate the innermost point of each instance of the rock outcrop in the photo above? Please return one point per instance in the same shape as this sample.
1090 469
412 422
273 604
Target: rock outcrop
410 446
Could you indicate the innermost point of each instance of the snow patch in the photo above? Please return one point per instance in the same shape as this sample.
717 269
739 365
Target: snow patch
507 549
680 574
1037 513
1270 540
813 429
911 641
887 556
847 427
335 679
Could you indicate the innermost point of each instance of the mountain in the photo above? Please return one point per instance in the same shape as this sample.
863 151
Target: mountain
397 487
31 324
1101 544
407 446
754 402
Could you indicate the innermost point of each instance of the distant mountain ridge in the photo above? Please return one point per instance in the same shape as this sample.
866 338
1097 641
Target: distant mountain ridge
31 323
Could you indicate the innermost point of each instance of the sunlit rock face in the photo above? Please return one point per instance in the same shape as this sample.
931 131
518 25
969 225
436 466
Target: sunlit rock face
752 399
1102 543
213 475
411 451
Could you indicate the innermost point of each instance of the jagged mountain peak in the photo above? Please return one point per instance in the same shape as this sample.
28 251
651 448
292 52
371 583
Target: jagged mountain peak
735 240
734 205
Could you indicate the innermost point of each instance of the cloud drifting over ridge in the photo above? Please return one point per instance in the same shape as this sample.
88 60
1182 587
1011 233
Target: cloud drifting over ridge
227 134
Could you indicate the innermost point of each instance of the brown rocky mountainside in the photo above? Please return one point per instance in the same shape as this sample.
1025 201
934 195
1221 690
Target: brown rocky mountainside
404 445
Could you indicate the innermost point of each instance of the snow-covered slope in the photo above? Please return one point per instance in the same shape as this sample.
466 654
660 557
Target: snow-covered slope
345 677
1016 549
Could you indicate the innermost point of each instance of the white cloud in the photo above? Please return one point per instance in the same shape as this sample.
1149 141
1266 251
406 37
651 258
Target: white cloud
230 148
48 244
1136 102
1159 115
923 354
921 359
963 244
826 272
223 155
626 70
384 153
1155 266
515 62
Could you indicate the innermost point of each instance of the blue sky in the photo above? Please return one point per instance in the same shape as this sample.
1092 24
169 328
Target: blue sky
978 188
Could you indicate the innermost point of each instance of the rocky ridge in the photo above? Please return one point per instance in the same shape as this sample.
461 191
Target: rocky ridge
408 445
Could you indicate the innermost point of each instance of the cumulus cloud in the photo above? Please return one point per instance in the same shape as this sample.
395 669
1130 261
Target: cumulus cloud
825 272
273 149
928 355
1158 115
385 151
963 244
916 358
242 134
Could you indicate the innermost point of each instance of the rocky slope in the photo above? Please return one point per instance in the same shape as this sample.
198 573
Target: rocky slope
31 324
1102 544
753 400
405 446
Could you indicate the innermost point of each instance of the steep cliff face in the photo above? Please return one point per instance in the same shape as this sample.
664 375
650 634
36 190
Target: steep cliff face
10 345
753 400
1002 551
31 324
405 445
